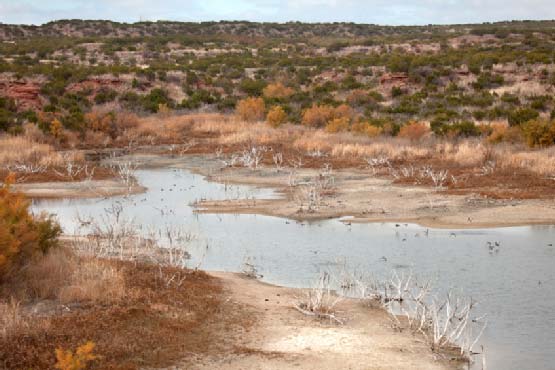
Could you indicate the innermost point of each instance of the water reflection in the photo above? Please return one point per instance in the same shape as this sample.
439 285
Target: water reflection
509 271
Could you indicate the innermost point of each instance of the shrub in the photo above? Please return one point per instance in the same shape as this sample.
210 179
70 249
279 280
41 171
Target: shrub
338 124
414 131
251 109
21 235
539 132
276 116
157 97
105 95
464 128
522 115
252 87
277 91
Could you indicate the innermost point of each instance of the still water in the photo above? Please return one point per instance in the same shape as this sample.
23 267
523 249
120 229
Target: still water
514 286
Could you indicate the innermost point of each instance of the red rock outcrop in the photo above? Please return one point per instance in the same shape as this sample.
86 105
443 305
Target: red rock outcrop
25 94
400 78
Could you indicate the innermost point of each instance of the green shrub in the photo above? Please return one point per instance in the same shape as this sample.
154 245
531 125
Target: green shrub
522 115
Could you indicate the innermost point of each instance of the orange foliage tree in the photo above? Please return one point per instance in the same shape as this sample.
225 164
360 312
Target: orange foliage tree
317 115
251 109
22 236
414 131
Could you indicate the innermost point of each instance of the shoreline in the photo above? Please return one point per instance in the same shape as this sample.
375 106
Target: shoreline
355 194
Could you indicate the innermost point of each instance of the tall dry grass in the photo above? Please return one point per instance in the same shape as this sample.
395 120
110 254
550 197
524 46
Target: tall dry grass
472 152
12 318
63 276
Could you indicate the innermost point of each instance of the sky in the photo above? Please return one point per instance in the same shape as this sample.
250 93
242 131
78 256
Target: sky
386 12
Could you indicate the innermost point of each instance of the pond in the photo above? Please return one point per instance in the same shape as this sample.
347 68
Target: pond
514 285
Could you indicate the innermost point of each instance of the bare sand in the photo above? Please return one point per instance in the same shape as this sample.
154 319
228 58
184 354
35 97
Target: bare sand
77 189
284 338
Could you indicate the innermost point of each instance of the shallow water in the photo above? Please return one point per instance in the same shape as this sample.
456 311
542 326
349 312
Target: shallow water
514 286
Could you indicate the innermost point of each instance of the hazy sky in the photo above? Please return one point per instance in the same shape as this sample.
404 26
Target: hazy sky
393 12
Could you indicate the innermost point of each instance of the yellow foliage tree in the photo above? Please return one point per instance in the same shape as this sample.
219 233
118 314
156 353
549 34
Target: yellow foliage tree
277 91
56 128
276 116
67 360
251 109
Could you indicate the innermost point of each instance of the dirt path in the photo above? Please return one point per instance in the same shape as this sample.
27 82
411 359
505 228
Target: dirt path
283 338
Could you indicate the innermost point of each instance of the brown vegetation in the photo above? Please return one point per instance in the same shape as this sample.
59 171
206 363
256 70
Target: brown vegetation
145 320
22 236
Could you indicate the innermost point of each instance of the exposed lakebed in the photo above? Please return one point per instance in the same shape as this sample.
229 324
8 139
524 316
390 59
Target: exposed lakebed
514 284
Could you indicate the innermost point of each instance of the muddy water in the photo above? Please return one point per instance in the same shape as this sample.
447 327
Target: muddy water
515 285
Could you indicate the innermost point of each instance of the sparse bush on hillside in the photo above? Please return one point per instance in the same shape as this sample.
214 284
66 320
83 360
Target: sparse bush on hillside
251 109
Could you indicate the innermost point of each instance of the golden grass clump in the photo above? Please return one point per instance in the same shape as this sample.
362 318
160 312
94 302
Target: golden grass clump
22 150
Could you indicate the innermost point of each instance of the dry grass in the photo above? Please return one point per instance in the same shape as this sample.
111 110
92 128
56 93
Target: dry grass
218 129
63 276
12 320
158 324
94 281
21 149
